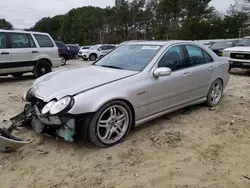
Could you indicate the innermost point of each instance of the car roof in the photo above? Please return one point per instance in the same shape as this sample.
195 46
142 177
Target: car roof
152 42
22 31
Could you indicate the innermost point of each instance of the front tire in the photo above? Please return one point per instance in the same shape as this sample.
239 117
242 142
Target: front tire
215 93
42 67
110 124
93 57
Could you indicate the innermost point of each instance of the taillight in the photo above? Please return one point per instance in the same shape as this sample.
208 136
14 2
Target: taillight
58 52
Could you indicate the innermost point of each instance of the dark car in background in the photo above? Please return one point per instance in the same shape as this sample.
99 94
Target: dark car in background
64 51
74 49
220 46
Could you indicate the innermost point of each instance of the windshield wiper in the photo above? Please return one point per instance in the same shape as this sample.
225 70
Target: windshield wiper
111 66
241 45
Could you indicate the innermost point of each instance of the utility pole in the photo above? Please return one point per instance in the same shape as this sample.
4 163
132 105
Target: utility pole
240 32
101 37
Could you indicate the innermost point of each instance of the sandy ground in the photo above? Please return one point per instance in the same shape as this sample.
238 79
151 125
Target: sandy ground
200 148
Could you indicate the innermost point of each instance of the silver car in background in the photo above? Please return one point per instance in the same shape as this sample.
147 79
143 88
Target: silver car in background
133 84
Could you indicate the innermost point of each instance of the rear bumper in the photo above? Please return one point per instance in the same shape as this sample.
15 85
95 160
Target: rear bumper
63 126
57 62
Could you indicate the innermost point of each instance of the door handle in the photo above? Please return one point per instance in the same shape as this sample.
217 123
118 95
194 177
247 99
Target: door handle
34 52
186 74
211 68
5 53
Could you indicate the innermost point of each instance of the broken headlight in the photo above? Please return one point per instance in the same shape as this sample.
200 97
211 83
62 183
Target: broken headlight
47 107
28 95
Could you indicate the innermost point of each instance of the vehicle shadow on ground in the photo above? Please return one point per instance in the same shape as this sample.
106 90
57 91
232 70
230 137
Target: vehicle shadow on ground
10 79
240 72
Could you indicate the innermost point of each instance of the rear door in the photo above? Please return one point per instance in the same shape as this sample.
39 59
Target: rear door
5 55
202 68
23 51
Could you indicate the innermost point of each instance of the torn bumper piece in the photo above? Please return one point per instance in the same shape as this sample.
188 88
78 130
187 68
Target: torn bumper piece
59 126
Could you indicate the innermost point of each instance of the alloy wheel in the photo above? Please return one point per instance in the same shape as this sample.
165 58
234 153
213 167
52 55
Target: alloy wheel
113 124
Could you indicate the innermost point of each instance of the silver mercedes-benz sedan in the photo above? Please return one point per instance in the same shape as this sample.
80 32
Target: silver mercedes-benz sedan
135 83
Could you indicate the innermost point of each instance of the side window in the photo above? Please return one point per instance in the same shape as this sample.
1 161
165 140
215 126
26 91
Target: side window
103 48
173 59
32 43
19 40
207 57
2 40
44 41
195 55
111 47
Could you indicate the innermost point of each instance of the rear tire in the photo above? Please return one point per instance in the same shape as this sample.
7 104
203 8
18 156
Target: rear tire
215 93
42 67
17 75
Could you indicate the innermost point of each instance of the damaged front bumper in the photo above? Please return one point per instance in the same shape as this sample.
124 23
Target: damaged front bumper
59 126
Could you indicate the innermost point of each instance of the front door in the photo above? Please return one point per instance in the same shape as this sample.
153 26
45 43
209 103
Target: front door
5 55
170 91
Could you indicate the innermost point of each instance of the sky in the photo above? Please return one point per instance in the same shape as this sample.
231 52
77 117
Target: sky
25 13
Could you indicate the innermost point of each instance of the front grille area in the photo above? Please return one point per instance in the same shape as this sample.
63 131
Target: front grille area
39 103
240 56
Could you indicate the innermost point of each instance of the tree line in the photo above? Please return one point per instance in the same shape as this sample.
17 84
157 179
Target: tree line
145 19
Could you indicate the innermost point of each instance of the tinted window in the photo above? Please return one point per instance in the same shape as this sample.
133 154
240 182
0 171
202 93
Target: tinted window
129 57
60 44
244 42
44 41
2 40
195 55
110 47
173 59
95 47
85 48
19 40
207 57
103 48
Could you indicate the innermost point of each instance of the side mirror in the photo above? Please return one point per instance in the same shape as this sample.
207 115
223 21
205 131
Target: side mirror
162 71
99 49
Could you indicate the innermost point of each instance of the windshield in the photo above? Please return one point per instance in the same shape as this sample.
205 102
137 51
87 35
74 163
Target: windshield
94 47
220 45
129 57
244 42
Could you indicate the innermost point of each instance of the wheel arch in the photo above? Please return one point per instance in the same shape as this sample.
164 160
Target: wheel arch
45 59
93 53
131 107
220 80
92 107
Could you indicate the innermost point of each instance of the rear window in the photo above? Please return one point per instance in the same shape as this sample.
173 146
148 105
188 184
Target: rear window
44 41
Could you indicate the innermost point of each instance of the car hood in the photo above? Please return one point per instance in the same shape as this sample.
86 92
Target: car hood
72 81
239 49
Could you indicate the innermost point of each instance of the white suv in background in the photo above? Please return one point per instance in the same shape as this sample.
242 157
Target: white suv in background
23 51
97 51
239 55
